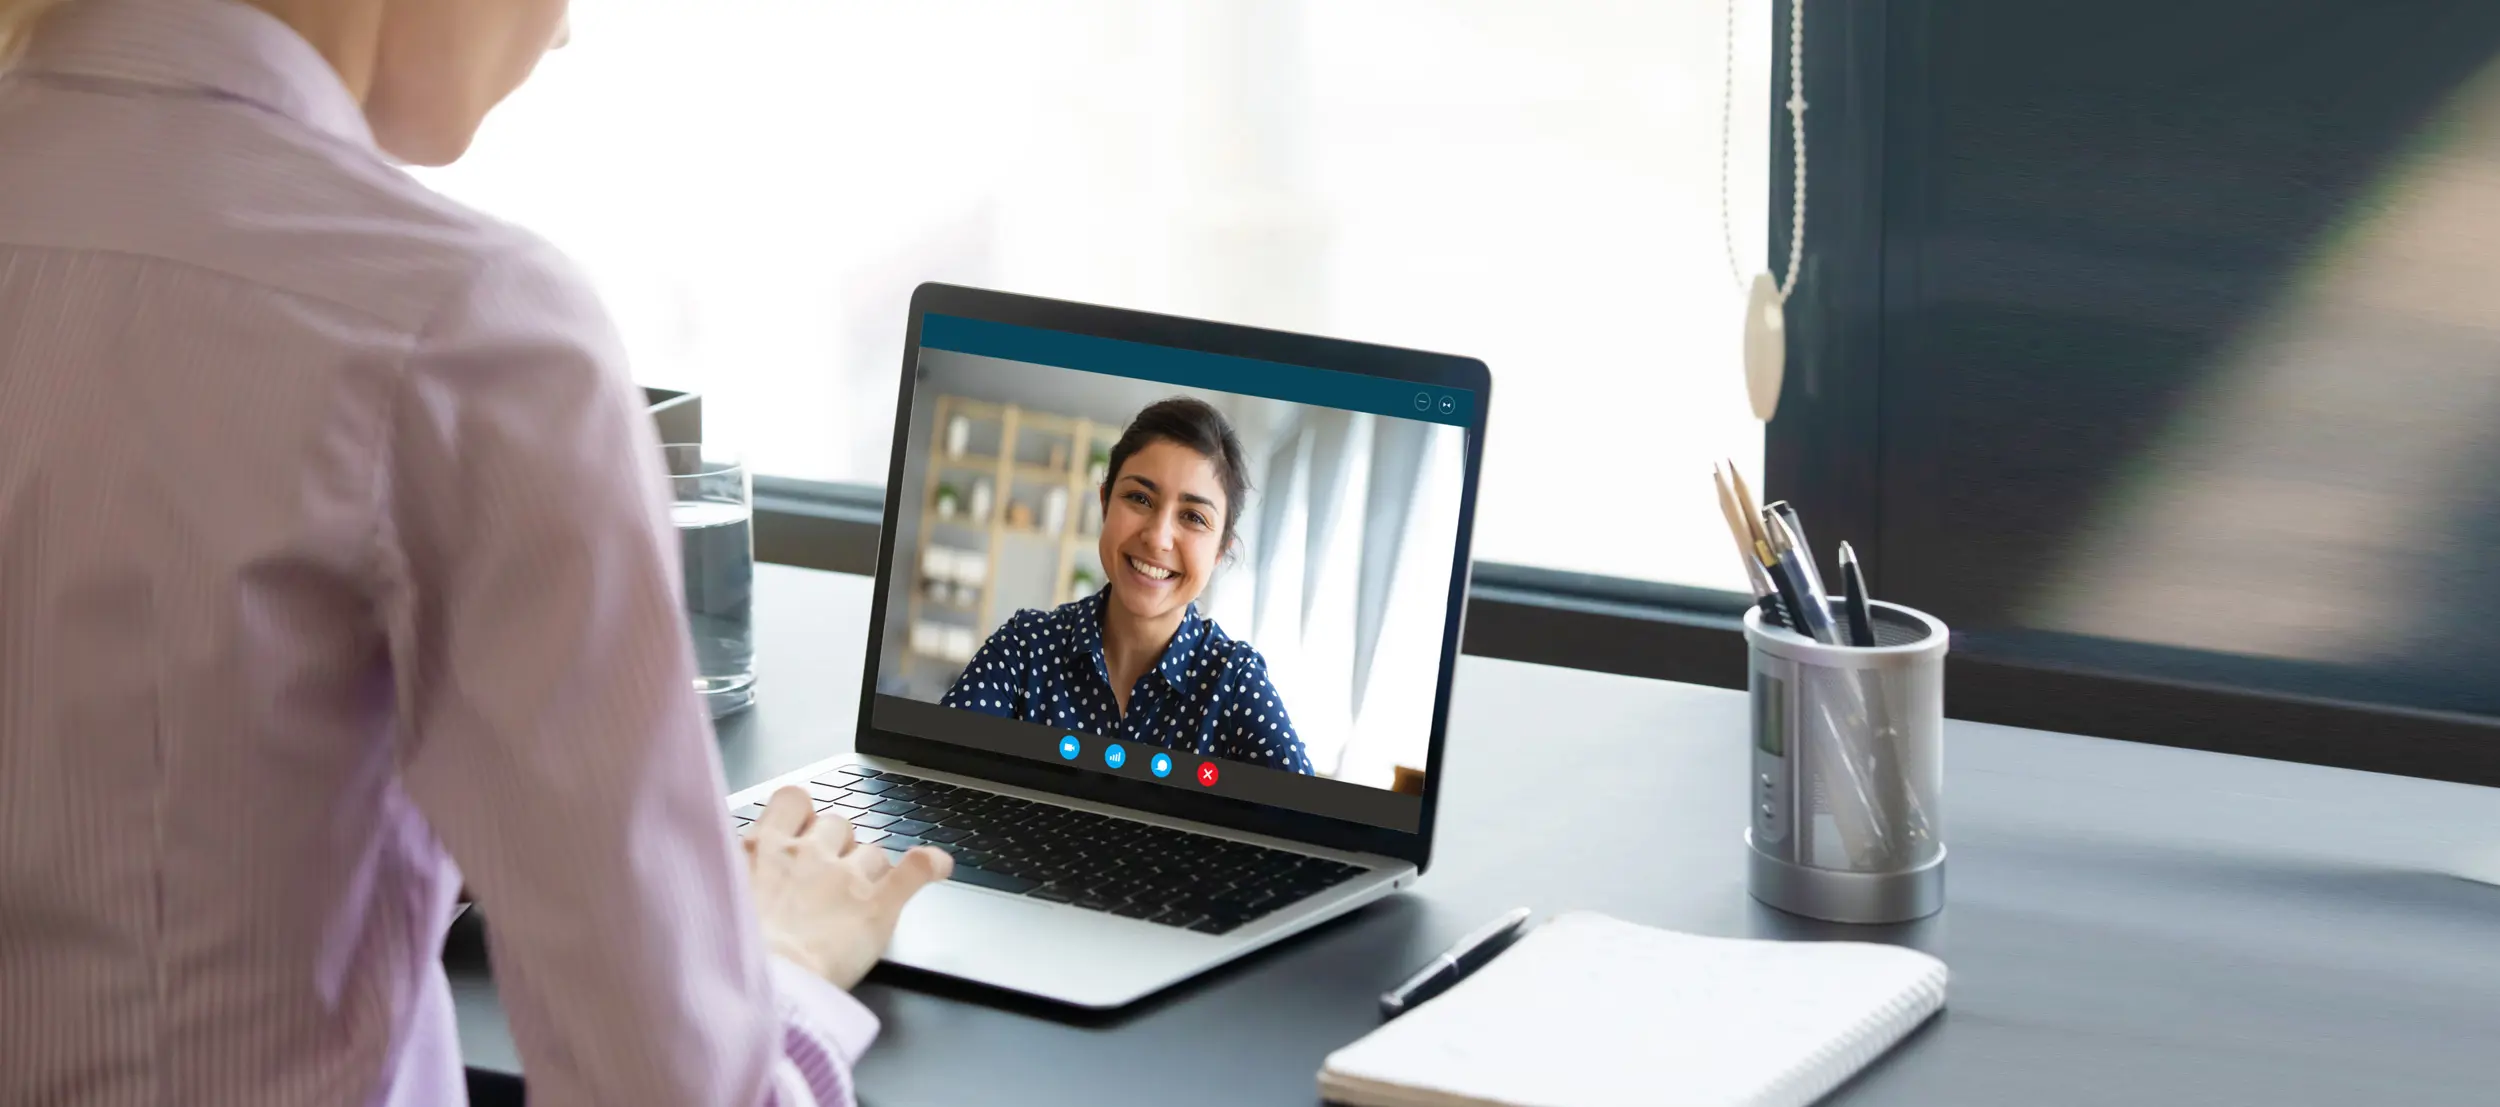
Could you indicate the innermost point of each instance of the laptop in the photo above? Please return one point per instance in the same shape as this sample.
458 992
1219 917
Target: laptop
1265 533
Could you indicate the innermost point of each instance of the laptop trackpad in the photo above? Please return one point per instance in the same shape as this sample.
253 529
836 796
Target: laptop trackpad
1046 949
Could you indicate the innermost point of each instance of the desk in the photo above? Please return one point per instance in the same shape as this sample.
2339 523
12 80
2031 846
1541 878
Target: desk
2126 924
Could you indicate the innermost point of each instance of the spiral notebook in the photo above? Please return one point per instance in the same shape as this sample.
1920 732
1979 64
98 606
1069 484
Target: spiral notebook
1591 1011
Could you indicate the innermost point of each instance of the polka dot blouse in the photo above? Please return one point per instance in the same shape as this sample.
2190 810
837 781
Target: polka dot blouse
1209 695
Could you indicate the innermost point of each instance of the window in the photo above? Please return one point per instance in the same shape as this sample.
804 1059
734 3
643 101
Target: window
756 185
2183 420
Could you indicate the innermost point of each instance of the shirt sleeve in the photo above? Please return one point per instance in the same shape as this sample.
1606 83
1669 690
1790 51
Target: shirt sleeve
1255 726
548 727
992 683
825 1032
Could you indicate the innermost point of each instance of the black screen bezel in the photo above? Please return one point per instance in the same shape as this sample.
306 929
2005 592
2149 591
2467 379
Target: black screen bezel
1414 366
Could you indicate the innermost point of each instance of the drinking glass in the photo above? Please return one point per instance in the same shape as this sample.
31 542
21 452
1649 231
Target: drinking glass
712 503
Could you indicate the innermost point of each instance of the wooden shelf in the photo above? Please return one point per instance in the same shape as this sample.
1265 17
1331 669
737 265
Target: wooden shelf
1051 422
1021 433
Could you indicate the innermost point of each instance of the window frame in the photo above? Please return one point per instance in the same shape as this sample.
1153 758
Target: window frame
1857 313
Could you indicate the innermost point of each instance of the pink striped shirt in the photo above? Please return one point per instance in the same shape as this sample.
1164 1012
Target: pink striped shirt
332 550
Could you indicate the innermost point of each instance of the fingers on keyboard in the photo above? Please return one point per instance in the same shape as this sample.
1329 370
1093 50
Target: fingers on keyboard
1085 859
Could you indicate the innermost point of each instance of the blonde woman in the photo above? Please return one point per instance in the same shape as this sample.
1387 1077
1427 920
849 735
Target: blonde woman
334 568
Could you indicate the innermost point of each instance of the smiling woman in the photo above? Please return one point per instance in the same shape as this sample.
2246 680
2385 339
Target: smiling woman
1136 658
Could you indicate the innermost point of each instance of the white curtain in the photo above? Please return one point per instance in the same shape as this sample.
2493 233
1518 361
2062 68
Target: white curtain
1344 584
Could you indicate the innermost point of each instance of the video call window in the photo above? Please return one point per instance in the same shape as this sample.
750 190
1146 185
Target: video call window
1274 574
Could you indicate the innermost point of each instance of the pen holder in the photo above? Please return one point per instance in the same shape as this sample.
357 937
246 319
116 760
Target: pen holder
1848 769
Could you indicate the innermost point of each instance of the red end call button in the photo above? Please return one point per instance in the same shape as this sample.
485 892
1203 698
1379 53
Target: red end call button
1206 774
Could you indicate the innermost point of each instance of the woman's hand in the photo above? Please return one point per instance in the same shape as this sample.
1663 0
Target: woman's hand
828 903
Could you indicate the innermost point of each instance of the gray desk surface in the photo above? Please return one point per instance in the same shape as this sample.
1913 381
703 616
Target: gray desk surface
2126 924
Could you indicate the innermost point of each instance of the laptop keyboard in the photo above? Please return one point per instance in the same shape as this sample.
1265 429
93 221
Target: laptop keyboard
1063 855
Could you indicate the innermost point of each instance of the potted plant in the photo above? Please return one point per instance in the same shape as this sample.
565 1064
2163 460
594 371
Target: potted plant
950 501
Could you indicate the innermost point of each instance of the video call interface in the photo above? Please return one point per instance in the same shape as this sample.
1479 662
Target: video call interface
1205 572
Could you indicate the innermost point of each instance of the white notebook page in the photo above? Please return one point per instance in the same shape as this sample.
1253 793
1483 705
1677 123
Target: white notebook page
1590 1011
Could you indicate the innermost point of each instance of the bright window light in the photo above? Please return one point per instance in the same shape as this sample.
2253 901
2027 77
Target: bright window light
757 185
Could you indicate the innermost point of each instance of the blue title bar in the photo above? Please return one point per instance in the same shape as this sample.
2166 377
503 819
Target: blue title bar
1276 380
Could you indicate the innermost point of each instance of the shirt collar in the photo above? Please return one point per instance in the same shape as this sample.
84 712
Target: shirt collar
218 47
1174 668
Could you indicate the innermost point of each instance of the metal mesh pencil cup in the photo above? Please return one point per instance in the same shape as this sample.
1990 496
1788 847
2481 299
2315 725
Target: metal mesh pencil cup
1848 769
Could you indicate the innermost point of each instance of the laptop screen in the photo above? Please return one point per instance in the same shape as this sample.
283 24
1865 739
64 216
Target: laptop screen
1199 571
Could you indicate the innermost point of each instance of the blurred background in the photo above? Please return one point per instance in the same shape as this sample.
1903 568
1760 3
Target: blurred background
2192 363
2141 339
756 185
1341 582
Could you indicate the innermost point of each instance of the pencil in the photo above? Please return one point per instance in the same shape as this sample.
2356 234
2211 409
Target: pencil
1736 529
1744 498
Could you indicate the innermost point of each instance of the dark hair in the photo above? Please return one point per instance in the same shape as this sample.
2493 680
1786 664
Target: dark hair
1197 425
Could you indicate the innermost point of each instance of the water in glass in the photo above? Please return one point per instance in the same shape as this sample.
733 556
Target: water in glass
716 540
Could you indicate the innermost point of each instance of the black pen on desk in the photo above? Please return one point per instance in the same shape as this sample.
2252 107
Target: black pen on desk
1853 586
1437 975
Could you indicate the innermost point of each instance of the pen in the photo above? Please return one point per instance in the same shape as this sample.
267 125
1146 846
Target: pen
1849 777
1813 608
1471 953
1805 549
1853 585
1785 587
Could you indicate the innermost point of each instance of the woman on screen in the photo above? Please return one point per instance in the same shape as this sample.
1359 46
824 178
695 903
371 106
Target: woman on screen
1135 660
